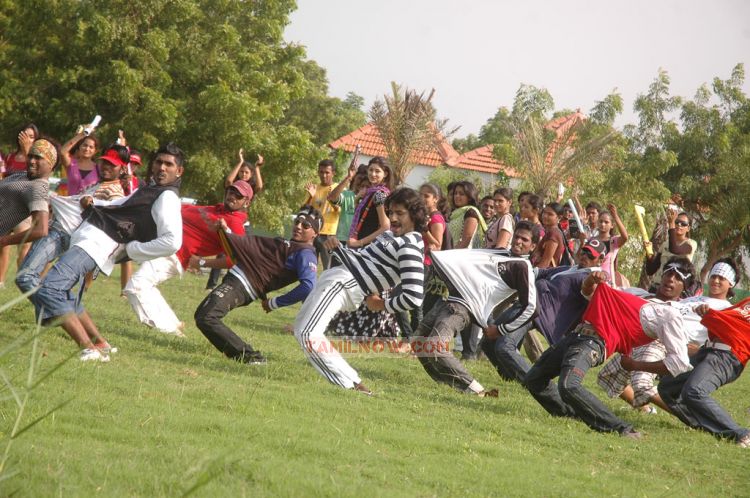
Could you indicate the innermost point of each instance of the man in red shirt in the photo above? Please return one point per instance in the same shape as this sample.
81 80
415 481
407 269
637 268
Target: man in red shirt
719 362
197 239
613 322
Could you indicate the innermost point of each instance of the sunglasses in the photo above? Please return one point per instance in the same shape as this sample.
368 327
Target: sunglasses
682 223
301 220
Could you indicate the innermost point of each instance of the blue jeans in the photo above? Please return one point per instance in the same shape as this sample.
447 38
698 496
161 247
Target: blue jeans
503 352
56 297
42 252
570 359
689 394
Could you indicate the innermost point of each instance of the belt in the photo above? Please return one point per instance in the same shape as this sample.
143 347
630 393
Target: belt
586 329
717 345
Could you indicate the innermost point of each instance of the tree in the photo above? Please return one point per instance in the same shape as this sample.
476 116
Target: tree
407 123
210 75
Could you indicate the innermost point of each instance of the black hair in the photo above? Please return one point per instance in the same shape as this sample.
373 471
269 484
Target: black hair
505 192
594 205
308 210
412 201
534 201
171 149
469 189
530 227
556 207
689 218
380 161
91 136
607 213
684 266
734 266
523 194
435 190
486 198
325 163
122 152
24 128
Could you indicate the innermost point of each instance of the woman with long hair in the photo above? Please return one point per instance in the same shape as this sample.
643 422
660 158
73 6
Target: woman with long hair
613 243
500 232
77 158
466 226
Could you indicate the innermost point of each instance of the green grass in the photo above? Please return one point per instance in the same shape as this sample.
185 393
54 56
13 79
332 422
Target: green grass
169 416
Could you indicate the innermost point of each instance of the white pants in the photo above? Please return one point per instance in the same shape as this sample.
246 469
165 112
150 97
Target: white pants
336 290
146 300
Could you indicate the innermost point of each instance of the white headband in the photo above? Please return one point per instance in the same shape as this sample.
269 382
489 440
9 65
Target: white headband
724 270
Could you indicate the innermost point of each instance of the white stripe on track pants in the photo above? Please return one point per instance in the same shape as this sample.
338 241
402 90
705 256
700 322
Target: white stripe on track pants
336 290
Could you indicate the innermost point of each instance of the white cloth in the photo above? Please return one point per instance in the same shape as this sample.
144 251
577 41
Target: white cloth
663 322
336 290
166 212
696 332
146 300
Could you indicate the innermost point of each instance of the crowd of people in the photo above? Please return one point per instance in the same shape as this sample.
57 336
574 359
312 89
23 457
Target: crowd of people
495 273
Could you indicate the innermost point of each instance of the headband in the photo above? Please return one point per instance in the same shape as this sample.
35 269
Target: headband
724 270
315 221
675 267
44 149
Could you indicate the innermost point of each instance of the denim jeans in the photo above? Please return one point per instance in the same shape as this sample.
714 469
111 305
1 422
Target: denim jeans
42 251
228 295
570 359
689 394
445 320
55 297
503 352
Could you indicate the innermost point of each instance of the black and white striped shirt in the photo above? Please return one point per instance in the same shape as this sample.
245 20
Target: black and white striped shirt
390 262
19 197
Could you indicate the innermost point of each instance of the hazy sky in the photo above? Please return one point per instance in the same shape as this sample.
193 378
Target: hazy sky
475 53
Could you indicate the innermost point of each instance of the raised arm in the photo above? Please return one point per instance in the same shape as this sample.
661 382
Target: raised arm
620 225
65 149
258 179
335 194
232 176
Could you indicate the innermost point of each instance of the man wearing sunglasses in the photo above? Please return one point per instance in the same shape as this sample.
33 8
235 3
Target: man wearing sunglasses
560 307
198 242
261 265
614 322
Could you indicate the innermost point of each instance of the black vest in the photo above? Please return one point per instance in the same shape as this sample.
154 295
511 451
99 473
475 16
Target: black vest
132 219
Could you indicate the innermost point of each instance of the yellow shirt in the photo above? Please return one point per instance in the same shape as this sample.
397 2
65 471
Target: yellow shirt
329 211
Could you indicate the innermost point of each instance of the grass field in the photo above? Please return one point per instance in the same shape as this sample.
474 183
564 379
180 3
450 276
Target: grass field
171 416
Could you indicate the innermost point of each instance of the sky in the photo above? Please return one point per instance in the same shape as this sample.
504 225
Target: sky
476 53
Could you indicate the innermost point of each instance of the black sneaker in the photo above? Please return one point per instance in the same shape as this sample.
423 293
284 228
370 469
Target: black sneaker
254 358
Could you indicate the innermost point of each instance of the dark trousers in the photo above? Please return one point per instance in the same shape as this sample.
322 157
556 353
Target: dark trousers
570 359
503 352
208 317
325 256
689 394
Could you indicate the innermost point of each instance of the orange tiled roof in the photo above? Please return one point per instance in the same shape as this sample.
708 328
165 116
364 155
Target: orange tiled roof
561 126
481 159
371 144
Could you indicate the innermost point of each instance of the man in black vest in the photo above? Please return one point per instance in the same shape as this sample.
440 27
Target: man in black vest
143 226
261 265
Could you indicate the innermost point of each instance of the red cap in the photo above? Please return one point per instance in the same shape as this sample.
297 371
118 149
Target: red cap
243 188
135 158
596 247
112 157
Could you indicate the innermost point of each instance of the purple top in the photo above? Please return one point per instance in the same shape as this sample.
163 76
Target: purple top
78 183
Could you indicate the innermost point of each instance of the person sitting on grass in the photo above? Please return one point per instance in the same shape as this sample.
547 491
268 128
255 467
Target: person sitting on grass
720 361
197 240
394 260
67 217
143 226
560 307
614 321
478 280
261 265
638 388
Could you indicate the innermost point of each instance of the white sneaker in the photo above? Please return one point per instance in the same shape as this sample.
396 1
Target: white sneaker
744 442
93 354
105 347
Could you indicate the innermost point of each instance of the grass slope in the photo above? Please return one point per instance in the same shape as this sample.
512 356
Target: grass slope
171 416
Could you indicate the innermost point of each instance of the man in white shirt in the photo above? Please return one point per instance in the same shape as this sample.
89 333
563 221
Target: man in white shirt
141 227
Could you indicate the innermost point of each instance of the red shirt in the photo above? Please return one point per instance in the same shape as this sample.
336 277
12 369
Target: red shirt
197 239
732 327
12 165
616 317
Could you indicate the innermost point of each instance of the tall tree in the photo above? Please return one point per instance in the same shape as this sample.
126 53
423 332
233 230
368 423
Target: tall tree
407 123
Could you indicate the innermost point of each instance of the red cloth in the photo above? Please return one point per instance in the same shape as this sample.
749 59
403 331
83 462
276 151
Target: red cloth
197 239
12 165
732 327
616 317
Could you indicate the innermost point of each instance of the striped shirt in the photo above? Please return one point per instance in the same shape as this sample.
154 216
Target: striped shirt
19 197
389 262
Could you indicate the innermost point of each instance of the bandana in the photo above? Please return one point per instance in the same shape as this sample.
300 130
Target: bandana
308 216
44 149
676 268
724 270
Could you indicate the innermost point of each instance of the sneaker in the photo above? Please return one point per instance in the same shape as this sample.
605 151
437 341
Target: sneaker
631 434
363 389
105 347
492 393
744 442
254 358
93 354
